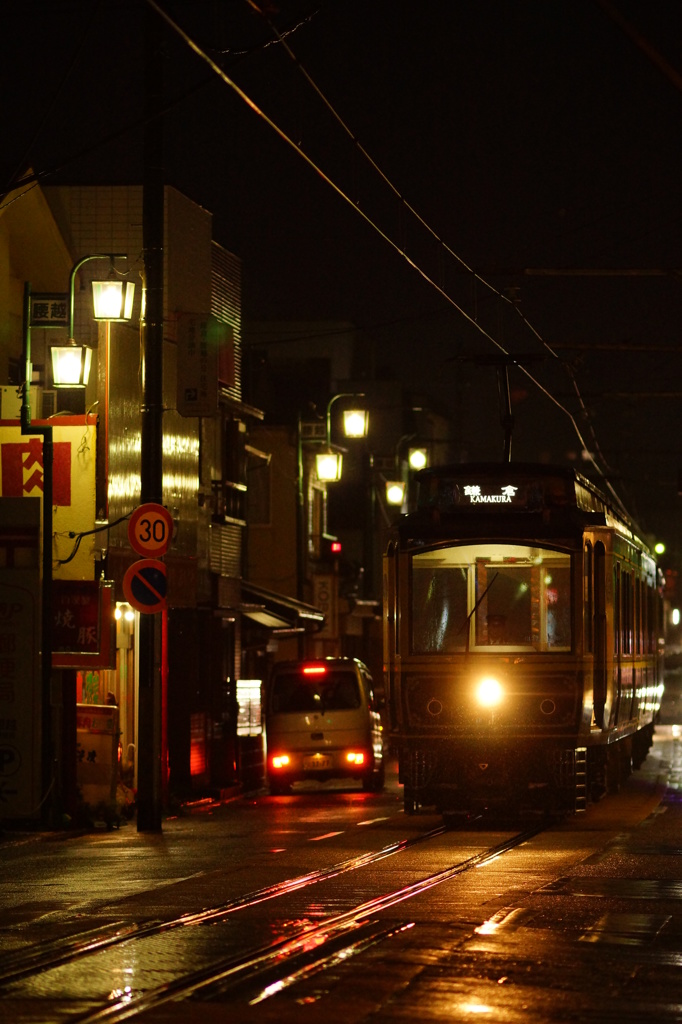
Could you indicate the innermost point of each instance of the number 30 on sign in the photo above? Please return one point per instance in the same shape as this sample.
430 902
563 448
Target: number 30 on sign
150 530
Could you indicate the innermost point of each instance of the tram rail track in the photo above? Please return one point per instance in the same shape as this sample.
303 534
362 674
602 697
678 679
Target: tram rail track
270 967
61 951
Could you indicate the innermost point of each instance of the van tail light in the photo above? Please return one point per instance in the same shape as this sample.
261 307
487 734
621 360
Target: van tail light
279 761
356 757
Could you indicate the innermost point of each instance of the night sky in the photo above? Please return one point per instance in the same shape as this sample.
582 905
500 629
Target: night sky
528 135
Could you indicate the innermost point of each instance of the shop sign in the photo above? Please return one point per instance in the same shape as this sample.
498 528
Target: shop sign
325 598
49 309
73 484
83 624
205 351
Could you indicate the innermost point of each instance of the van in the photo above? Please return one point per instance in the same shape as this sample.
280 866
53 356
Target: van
323 722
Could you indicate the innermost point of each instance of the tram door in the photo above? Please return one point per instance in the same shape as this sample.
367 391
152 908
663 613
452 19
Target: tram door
600 634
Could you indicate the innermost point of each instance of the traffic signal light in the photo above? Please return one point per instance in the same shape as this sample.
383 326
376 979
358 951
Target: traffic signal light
330 548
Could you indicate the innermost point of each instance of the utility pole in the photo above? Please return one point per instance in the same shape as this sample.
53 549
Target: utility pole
50 768
149 699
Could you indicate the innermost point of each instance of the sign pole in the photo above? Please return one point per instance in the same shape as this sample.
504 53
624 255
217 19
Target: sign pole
151 462
51 789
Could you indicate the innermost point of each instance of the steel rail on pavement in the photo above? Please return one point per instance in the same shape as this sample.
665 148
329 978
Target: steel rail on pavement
311 947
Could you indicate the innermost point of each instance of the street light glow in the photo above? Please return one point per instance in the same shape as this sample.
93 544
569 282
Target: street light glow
70 365
395 492
355 422
113 299
417 458
328 466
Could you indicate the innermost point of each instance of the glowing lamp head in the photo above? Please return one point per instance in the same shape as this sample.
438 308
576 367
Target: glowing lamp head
395 492
329 466
70 365
355 422
417 458
489 692
113 299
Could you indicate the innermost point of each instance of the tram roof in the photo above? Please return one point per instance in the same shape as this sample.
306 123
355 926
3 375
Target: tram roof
492 490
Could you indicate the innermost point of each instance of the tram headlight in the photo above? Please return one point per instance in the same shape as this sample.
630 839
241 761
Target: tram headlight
489 692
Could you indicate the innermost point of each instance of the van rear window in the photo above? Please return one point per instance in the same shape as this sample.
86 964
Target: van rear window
333 691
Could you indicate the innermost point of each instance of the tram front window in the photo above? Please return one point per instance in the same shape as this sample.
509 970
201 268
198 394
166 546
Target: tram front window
479 596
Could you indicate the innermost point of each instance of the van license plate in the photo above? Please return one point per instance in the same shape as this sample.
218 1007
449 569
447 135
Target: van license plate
317 761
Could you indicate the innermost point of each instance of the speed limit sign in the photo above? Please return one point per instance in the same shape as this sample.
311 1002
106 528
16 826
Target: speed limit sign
150 530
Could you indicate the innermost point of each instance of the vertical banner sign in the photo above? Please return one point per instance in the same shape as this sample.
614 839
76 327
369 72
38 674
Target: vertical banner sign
206 361
324 598
197 390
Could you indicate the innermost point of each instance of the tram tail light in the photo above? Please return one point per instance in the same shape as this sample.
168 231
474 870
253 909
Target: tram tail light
489 692
279 761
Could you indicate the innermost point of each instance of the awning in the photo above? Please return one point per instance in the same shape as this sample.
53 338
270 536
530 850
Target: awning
264 618
279 611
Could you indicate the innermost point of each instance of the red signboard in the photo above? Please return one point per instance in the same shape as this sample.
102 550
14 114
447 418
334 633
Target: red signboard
22 469
83 624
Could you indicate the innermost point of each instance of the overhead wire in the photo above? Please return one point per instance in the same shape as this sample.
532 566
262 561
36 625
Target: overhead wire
444 246
204 56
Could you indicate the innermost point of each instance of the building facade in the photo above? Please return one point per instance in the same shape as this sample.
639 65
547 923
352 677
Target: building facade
216 634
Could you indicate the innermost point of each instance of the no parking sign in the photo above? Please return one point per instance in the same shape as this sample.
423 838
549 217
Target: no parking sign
145 585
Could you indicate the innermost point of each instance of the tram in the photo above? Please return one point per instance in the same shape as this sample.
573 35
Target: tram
522 650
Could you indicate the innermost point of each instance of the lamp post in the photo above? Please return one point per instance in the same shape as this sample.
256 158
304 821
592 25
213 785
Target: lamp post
112 300
398 487
81 364
328 467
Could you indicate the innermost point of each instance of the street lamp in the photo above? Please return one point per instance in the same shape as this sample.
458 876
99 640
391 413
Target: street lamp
70 365
112 300
328 467
355 421
329 463
417 458
395 492
81 363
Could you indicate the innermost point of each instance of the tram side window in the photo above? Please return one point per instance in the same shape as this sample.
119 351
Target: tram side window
588 585
439 609
651 619
638 616
626 612
617 621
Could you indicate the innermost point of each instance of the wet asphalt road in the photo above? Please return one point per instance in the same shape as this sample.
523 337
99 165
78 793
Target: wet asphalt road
583 922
